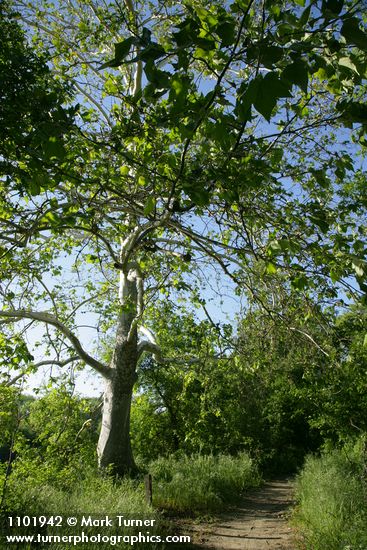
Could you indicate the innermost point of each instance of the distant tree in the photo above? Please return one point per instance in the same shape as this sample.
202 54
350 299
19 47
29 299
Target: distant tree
209 137
261 395
339 390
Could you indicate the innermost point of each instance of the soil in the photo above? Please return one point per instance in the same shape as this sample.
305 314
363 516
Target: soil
258 522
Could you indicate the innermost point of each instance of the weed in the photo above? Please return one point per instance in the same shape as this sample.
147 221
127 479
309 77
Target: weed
331 494
201 483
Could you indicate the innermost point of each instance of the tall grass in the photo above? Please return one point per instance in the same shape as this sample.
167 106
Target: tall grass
93 496
201 483
182 484
332 499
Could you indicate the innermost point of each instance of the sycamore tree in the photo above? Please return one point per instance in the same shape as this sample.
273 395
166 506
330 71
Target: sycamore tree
207 136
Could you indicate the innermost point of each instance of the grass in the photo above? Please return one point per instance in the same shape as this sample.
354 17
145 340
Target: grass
332 500
181 484
92 496
201 483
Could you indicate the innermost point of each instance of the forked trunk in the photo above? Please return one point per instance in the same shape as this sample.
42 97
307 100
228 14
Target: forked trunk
114 445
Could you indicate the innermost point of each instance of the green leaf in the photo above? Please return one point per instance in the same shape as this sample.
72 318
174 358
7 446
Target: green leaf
199 195
334 275
284 32
160 79
358 266
321 222
122 49
91 258
353 34
246 99
358 112
347 62
271 268
50 218
54 148
124 170
151 53
226 32
321 178
299 282
178 93
271 88
270 55
207 16
205 44
149 206
277 155
184 37
297 73
305 16
334 7
353 111
146 36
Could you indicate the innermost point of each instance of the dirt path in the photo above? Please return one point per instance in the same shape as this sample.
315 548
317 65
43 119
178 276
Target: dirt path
257 523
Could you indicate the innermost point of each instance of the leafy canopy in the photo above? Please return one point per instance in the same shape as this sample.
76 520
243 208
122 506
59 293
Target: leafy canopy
204 135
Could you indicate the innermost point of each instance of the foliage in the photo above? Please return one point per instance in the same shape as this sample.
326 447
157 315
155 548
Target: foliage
55 441
152 433
331 495
280 393
34 122
339 390
177 398
277 359
201 483
8 412
166 128
259 398
207 139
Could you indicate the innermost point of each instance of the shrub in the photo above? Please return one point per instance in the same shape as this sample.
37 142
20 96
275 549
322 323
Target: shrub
331 494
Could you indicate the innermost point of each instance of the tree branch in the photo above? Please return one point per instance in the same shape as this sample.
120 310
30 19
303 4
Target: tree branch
149 347
139 65
49 319
155 350
306 335
41 364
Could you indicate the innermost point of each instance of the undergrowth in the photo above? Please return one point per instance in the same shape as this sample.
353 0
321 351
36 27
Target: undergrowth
201 483
332 499
180 484
93 495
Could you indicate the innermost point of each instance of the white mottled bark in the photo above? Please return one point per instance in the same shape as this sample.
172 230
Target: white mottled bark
114 446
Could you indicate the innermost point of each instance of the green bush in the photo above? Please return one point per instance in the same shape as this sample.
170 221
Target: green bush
201 483
332 499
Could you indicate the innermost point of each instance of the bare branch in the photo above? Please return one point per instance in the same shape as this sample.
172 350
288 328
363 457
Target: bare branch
148 333
96 103
149 347
49 319
140 300
41 364
155 350
295 329
139 65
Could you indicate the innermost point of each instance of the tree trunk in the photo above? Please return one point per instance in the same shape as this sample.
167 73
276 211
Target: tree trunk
114 445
